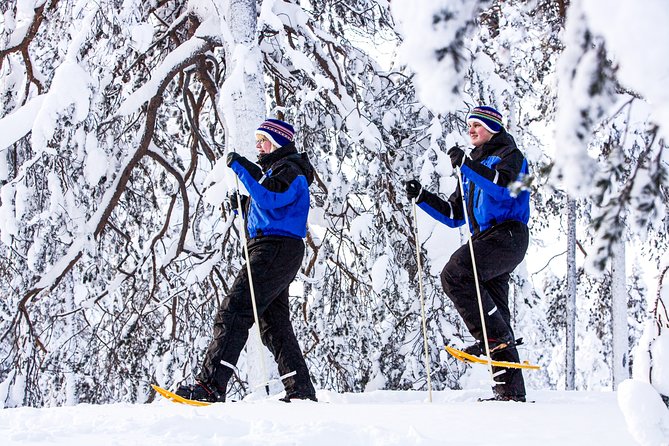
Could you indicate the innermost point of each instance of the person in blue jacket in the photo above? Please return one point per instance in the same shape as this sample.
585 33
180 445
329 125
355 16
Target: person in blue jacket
498 218
276 221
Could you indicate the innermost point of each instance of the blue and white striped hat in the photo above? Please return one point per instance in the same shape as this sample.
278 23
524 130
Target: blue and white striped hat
278 132
488 117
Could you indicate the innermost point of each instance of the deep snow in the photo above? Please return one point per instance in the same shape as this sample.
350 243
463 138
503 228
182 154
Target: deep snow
375 418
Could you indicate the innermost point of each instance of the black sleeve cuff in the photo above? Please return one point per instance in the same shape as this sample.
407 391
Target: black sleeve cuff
252 168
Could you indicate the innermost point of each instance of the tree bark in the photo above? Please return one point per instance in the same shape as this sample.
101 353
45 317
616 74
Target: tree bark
620 329
242 99
570 371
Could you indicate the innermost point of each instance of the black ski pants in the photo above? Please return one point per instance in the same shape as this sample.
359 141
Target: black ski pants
498 251
274 262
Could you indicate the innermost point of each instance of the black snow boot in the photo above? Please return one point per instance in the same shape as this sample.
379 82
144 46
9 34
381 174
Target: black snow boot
474 349
497 397
298 396
495 345
201 392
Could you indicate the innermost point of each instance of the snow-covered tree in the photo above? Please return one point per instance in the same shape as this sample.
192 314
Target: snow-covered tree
117 245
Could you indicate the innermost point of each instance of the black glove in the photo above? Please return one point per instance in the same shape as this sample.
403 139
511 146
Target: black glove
457 156
232 201
413 189
232 156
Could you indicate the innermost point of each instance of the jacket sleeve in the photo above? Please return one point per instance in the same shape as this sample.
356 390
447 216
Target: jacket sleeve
495 181
252 169
273 189
448 212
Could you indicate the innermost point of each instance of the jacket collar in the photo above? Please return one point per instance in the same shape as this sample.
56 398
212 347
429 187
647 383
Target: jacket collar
268 159
498 140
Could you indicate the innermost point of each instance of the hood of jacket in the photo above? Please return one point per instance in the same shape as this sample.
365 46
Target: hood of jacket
287 154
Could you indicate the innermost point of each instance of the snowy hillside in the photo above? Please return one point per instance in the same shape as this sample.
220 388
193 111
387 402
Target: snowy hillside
375 418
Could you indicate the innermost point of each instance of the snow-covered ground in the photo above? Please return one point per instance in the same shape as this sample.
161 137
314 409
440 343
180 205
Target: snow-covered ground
375 418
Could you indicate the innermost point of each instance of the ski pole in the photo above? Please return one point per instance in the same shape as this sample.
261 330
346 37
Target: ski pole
422 301
253 295
476 275
279 379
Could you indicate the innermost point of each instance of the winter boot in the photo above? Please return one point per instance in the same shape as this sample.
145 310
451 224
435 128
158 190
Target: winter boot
497 397
495 345
298 396
201 392
474 349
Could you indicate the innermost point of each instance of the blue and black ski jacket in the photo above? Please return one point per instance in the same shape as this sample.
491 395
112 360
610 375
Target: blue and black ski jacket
279 204
486 177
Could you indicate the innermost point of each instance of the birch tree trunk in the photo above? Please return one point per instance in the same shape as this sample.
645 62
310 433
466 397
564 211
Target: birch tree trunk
242 98
242 106
620 366
570 369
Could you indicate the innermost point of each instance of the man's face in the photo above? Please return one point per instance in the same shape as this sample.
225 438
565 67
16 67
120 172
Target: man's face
478 134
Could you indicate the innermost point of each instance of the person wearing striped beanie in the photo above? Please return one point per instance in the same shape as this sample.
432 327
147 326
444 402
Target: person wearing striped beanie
488 117
275 216
498 212
277 132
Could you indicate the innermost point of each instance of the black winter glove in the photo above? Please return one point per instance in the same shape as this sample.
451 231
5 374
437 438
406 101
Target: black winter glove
413 189
232 201
232 156
457 156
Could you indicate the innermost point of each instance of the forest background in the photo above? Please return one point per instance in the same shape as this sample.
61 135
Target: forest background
116 250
